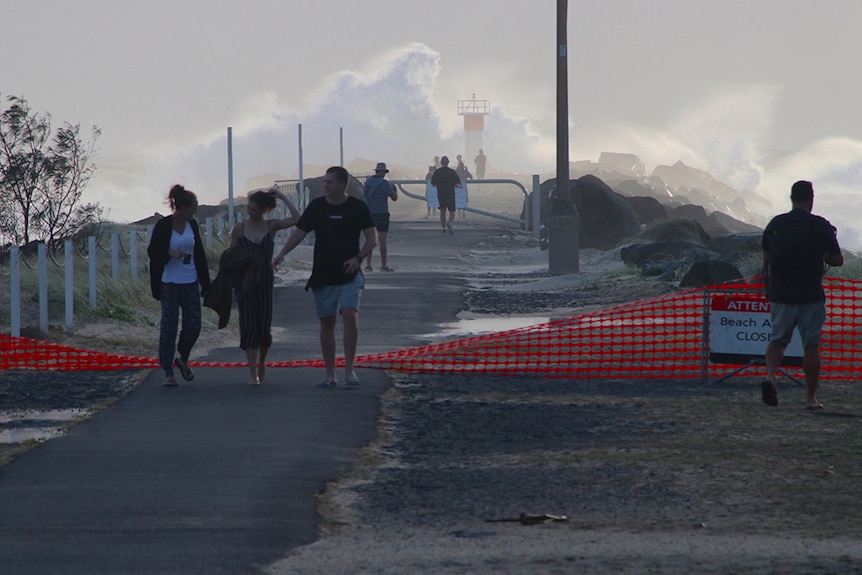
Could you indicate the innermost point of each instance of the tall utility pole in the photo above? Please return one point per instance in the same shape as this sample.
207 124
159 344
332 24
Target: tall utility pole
230 215
563 224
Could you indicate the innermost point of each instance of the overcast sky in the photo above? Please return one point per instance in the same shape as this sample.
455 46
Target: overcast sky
758 92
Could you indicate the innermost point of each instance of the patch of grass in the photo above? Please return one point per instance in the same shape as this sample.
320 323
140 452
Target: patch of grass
121 299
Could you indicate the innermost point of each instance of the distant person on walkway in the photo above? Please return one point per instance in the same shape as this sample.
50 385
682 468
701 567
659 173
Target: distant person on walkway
179 277
797 247
464 174
429 204
446 180
256 236
480 162
337 220
377 193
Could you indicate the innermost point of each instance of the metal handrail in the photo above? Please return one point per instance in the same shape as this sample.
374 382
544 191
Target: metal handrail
524 222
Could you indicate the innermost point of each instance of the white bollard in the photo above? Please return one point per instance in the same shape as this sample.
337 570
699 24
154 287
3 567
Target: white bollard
91 257
115 256
70 291
43 288
133 254
15 291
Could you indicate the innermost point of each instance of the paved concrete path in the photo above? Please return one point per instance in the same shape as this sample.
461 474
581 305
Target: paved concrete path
216 476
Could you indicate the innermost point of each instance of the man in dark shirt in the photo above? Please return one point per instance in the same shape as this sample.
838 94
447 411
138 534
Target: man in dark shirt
796 295
338 220
445 179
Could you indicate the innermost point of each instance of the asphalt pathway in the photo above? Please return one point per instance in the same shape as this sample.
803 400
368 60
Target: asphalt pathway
216 476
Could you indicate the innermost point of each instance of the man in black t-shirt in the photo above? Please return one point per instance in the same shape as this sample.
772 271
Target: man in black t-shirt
796 245
445 179
338 220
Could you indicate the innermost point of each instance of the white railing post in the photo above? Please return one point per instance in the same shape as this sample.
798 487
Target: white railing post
91 256
15 292
70 291
115 256
43 287
133 253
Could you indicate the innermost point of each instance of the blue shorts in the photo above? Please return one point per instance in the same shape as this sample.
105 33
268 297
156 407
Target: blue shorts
807 318
331 299
381 222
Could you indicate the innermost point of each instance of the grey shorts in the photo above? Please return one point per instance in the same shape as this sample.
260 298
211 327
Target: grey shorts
807 318
331 299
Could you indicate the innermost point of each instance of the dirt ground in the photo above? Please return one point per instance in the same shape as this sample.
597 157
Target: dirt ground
671 477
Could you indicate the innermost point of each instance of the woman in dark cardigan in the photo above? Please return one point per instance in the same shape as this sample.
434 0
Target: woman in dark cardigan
179 277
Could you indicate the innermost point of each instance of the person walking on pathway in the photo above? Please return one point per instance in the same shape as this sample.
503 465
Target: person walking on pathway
377 192
428 202
338 221
446 180
256 236
797 246
464 174
480 160
179 278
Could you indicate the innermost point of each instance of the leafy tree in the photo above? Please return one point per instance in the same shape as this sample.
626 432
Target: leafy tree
42 178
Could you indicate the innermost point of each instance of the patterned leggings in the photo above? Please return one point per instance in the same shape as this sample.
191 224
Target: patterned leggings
175 297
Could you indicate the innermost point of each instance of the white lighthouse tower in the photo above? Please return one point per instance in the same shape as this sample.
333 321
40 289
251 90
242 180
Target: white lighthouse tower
474 112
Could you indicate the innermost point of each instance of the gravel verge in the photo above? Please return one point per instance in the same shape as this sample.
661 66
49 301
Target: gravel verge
654 477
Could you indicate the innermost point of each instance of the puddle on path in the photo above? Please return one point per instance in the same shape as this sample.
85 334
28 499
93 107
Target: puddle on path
481 325
34 425
24 434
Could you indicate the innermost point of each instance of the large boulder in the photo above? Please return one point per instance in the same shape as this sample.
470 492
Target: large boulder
605 218
692 212
736 243
640 254
720 220
709 272
641 188
647 209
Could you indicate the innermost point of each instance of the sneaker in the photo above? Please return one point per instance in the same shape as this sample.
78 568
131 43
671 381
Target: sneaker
327 383
170 381
443 231
450 228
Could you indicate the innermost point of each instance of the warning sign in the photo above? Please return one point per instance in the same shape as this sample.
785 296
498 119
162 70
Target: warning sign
739 330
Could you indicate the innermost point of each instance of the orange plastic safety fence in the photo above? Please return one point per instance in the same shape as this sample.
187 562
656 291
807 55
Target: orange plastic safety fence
664 337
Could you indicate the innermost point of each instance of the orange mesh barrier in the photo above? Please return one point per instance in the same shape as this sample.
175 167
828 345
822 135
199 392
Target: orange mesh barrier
664 337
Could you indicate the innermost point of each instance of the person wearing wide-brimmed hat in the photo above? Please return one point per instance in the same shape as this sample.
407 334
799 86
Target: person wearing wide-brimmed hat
377 193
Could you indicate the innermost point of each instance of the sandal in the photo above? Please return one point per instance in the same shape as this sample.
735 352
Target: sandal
770 394
369 269
327 383
352 382
170 381
387 269
184 368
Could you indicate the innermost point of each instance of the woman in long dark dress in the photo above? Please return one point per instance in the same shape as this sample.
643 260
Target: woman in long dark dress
257 234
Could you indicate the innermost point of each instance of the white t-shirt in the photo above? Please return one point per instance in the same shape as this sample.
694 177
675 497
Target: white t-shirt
181 270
